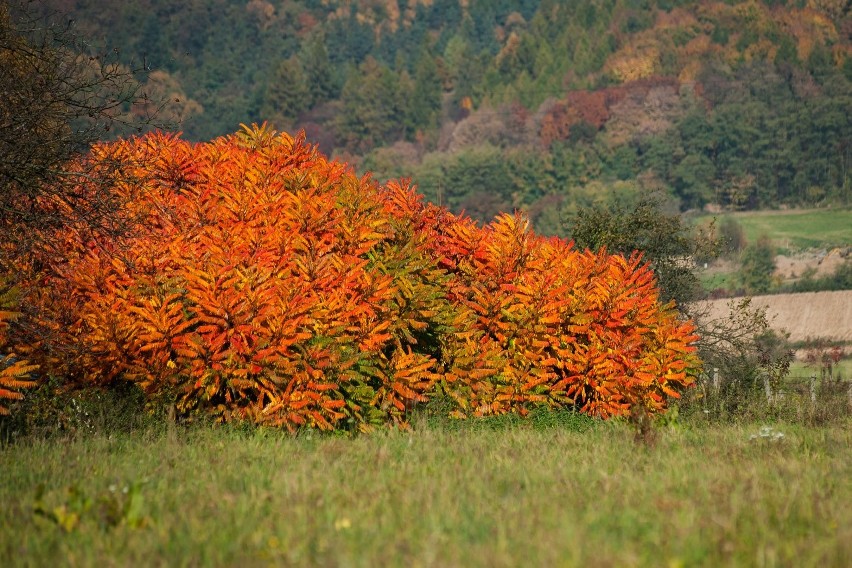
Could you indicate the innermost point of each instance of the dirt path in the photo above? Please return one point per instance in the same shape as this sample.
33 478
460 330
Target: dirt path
809 314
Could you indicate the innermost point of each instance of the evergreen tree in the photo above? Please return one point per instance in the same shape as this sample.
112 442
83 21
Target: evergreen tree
444 13
349 39
424 103
455 53
287 94
372 107
319 73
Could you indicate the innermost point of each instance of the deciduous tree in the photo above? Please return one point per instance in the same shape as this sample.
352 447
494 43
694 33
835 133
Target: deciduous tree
665 241
57 96
757 266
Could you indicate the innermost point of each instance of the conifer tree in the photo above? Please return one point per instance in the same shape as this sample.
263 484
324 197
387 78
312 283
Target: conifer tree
319 73
288 94
425 102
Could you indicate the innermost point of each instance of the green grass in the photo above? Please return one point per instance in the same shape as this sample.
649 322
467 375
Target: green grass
800 369
559 490
717 280
798 229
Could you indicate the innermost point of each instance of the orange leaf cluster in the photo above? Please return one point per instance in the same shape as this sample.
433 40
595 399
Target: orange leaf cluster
261 281
14 372
551 326
591 107
595 108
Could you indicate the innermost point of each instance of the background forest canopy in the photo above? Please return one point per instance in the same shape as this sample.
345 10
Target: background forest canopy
543 105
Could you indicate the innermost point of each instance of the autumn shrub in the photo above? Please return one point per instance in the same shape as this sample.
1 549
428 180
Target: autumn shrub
261 281
553 326
14 371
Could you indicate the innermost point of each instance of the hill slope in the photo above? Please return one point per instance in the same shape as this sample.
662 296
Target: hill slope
540 104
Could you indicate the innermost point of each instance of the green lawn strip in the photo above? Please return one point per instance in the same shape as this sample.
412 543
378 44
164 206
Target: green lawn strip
840 370
506 495
796 229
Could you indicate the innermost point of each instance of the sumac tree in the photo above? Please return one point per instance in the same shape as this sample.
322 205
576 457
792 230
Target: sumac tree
14 372
262 281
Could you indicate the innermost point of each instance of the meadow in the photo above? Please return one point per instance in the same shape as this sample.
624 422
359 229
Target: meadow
796 229
557 489
804 235
802 370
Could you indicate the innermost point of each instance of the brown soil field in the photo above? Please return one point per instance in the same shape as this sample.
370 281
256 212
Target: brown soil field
820 263
806 315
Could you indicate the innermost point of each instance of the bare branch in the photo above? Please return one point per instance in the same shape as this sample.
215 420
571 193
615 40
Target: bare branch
58 95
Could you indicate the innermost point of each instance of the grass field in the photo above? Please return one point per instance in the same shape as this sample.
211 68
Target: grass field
717 280
803 233
559 491
797 229
842 370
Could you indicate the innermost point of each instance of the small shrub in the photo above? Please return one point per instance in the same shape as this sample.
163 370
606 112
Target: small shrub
52 409
840 279
117 506
731 236
757 267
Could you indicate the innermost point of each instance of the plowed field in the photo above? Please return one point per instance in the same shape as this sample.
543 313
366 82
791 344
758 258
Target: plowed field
805 315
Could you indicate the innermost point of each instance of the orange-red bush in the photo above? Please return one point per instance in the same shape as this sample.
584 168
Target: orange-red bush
261 281
14 372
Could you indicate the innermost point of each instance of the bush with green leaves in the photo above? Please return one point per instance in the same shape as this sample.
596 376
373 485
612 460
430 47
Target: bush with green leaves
757 266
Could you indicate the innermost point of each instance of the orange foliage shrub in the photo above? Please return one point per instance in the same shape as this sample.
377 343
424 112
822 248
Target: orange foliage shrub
261 281
14 372
556 327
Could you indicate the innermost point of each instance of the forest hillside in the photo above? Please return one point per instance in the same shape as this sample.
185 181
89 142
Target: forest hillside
542 105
